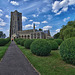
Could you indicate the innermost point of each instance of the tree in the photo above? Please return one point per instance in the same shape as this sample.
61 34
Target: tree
2 35
40 29
56 36
68 30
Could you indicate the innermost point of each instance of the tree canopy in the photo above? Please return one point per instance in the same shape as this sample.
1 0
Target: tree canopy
68 30
2 35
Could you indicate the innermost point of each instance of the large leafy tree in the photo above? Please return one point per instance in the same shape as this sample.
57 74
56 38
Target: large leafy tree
2 35
56 36
68 30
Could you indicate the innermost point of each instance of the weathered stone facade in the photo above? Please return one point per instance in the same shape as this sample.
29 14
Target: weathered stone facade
17 32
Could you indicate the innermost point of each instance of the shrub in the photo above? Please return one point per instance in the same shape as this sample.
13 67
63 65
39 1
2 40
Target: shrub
18 41
67 50
27 43
59 41
22 42
54 44
3 42
40 47
7 40
51 39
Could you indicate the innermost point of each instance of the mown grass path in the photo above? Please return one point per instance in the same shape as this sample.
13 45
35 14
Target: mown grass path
15 63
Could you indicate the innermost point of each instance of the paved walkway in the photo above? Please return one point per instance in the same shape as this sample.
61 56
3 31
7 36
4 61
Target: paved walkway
15 63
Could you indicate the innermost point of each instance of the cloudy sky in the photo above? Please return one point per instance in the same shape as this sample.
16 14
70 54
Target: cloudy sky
46 14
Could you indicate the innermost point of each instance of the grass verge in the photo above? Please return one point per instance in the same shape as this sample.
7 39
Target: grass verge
3 50
49 65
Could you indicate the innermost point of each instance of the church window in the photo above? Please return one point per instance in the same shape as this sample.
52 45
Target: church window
28 36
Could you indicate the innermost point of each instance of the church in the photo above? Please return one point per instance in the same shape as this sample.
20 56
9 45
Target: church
17 32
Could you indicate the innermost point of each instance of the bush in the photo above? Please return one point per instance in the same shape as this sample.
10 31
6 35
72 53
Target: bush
54 44
51 39
40 47
27 43
22 42
4 41
18 41
67 50
59 41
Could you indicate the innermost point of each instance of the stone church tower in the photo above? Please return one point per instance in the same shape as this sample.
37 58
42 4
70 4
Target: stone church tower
15 23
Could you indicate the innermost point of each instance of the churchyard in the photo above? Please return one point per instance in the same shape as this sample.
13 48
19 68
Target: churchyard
48 56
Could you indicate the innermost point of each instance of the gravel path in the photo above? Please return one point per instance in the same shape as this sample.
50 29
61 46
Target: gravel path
15 63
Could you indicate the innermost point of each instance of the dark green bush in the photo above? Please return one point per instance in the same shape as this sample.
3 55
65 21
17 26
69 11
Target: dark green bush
3 42
67 50
40 47
27 43
54 44
8 39
22 42
51 39
59 41
18 41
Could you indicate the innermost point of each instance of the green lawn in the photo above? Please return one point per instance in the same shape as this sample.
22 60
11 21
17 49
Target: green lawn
3 50
49 65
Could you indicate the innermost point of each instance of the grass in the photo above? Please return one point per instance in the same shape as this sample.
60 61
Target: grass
3 50
49 65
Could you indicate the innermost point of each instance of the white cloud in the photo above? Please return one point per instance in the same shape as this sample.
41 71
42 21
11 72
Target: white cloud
65 19
2 23
34 15
36 22
1 10
47 27
14 3
30 20
1 20
24 18
58 30
44 22
27 26
7 16
61 6
71 2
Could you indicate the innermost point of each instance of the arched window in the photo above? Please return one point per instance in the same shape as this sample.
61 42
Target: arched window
22 36
25 36
28 36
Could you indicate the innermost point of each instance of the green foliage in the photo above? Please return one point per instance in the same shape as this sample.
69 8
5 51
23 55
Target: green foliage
3 50
40 47
56 36
40 29
51 39
2 35
59 41
27 43
22 42
67 50
18 41
68 30
4 41
54 44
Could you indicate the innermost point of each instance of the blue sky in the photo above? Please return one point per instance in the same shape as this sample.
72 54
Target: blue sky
46 14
